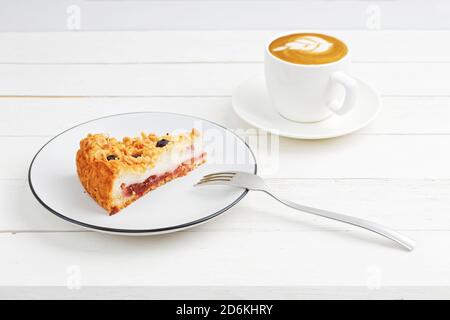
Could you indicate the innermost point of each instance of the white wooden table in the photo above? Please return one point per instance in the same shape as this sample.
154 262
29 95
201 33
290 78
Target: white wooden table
395 171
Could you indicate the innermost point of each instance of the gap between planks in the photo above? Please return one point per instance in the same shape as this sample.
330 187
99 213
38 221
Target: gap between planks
230 230
194 96
19 63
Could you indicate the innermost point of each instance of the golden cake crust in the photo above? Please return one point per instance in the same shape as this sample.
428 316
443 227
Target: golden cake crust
101 159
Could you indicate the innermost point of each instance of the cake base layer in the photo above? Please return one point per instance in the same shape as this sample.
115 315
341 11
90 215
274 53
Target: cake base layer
134 191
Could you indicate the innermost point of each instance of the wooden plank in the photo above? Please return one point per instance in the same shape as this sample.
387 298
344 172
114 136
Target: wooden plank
224 258
354 156
21 212
227 292
216 79
129 47
22 151
400 156
399 115
144 15
407 205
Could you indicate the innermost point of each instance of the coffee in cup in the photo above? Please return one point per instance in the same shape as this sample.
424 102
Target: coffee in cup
307 76
308 48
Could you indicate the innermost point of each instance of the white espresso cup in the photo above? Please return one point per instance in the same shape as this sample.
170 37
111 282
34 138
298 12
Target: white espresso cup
309 92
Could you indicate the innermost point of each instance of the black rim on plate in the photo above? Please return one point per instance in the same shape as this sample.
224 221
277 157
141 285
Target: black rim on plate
137 231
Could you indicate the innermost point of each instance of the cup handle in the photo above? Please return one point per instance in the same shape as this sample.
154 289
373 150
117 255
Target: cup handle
351 89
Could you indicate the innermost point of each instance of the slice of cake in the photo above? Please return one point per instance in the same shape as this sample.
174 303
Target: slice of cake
116 173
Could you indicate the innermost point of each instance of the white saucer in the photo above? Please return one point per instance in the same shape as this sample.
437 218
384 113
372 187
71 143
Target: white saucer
251 102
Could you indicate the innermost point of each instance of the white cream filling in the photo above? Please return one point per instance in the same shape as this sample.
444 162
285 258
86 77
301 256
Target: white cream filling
167 162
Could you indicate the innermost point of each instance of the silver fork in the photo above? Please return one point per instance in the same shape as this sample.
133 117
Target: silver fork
253 182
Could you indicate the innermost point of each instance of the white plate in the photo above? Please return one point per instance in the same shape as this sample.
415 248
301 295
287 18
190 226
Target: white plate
251 102
172 207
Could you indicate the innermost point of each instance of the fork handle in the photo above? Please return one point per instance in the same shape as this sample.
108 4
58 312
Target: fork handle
368 225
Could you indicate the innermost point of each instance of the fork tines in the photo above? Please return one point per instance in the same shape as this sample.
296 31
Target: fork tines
217 176
230 173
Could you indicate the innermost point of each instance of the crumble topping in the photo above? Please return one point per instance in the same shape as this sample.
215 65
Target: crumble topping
137 153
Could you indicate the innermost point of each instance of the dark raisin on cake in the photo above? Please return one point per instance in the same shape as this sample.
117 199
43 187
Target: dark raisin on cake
162 143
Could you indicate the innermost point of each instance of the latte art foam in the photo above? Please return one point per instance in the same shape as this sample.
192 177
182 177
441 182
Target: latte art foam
308 44
308 48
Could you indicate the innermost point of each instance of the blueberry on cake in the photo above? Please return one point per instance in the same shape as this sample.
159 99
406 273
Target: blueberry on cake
116 173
